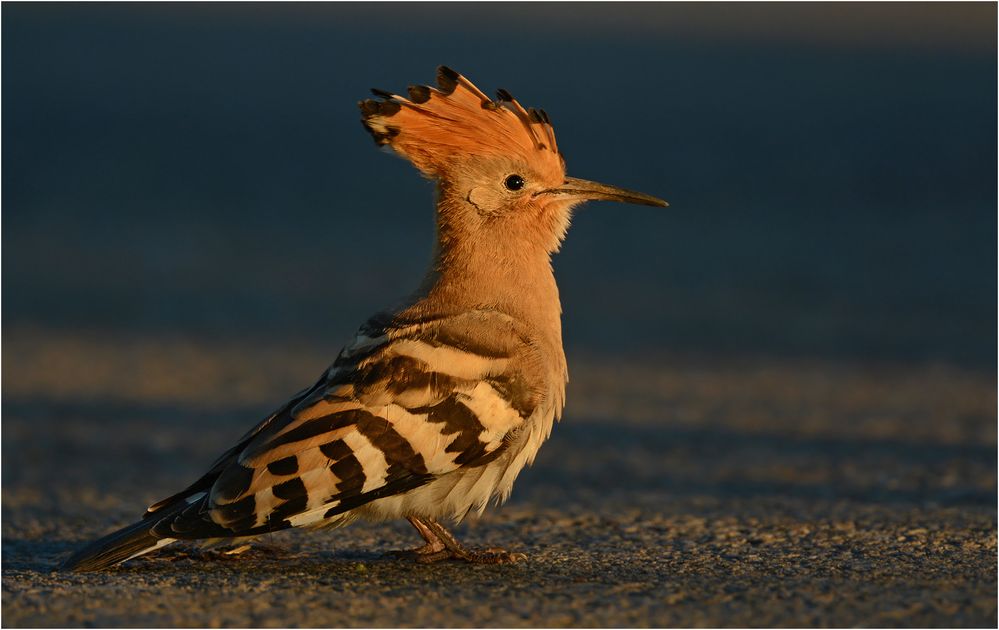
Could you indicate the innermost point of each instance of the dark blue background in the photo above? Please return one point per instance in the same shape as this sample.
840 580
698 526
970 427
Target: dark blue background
200 170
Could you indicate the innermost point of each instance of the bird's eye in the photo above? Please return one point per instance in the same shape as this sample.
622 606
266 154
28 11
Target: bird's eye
514 182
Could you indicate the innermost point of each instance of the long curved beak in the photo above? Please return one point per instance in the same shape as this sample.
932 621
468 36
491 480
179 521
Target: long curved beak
581 189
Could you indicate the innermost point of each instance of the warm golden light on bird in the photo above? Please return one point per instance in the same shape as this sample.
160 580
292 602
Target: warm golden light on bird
439 402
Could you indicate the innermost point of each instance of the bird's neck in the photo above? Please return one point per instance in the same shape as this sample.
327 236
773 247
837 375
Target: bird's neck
478 275
500 271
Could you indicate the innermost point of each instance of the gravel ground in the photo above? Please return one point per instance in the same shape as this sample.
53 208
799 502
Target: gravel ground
675 492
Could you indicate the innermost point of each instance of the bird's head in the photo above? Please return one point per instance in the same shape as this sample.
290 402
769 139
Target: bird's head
497 164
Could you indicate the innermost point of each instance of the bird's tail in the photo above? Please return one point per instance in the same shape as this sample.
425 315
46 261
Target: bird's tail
126 543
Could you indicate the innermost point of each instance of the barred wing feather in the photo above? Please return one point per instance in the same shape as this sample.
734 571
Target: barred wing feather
406 403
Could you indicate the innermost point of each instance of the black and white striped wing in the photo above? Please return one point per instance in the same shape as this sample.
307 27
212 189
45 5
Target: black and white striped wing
400 407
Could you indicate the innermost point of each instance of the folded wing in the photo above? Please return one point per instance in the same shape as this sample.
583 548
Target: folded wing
406 403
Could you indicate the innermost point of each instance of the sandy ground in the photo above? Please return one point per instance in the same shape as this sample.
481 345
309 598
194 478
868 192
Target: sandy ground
674 492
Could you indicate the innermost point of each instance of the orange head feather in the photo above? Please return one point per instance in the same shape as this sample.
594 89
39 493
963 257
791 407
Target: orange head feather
438 128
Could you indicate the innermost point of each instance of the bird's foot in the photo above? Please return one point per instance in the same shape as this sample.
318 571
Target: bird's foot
493 555
428 549
442 545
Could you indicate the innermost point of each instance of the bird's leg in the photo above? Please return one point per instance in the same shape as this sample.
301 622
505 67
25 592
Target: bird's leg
456 551
434 544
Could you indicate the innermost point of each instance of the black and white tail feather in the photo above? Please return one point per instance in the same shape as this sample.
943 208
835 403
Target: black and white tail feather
124 544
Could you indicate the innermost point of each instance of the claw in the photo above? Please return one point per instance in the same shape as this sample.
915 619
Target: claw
493 555
419 553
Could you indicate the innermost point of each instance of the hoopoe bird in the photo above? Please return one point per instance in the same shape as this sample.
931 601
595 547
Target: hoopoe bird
439 403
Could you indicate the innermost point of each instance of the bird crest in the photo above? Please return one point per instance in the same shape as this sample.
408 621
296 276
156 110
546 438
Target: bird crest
434 128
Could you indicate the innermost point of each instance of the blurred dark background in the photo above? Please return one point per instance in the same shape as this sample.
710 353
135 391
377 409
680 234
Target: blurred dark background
199 170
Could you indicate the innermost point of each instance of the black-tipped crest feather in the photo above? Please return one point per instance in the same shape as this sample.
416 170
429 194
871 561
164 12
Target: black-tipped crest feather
447 80
419 94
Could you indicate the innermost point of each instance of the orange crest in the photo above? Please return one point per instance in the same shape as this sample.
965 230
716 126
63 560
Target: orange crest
436 127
